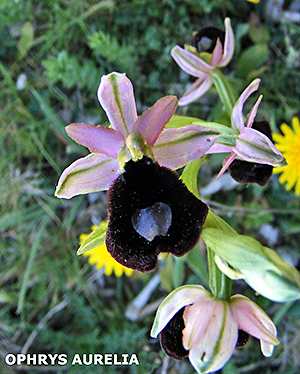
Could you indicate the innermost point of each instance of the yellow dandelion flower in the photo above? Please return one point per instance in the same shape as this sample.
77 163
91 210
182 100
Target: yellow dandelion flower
100 257
254 1
289 145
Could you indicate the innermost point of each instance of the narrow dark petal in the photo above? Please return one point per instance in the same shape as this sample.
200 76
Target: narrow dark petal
151 211
171 337
243 338
252 172
206 38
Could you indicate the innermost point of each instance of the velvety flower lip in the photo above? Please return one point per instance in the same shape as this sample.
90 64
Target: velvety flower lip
129 137
100 258
206 38
211 326
151 211
251 145
194 65
289 144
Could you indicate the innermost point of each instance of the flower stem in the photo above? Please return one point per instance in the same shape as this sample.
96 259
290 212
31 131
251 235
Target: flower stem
224 90
220 285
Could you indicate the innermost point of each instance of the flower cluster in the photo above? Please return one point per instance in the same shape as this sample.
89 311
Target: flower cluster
152 212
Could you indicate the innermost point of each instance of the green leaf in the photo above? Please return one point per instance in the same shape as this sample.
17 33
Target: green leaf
167 274
180 121
178 277
240 251
95 239
25 42
189 176
283 268
197 263
216 222
252 59
54 120
30 264
262 268
259 34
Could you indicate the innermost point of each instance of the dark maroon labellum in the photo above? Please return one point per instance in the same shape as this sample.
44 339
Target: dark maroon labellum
171 337
243 338
206 38
253 172
151 211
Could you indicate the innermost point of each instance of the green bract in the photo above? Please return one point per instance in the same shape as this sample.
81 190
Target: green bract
262 268
95 239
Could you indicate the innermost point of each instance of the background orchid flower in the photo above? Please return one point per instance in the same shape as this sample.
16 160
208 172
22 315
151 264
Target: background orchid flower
191 322
193 64
253 172
129 137
250 145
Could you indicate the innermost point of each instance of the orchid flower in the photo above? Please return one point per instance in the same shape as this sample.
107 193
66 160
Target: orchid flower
149 209
250 145
253 172
191 322
193 64
129 137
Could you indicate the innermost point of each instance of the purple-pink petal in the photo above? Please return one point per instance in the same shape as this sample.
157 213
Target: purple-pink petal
197 89
98 139
254 146
217 53
215 337
252 114
116 96
219 148
228 44
175 147
226 163
92 173
151 123
252 319
176 300
237 118
197 318
190 63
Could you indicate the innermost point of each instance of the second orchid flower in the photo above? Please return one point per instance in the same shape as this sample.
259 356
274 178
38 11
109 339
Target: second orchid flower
203 66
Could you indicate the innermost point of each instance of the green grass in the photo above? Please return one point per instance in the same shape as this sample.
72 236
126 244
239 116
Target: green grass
52 301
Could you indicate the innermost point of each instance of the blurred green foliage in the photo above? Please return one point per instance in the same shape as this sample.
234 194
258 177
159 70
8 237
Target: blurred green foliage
52 56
